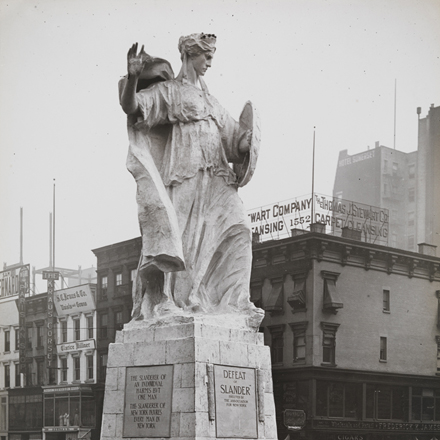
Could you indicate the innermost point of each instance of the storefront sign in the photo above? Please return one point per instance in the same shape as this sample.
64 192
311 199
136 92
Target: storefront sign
74 300
283 219
67 347
378 426
11 282
50 341
148 401
48 275
23 277
356 158
235 402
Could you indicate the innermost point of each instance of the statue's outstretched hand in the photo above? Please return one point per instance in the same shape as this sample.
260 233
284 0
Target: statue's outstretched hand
136 62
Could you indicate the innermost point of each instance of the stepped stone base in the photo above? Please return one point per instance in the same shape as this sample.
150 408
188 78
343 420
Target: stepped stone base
195 353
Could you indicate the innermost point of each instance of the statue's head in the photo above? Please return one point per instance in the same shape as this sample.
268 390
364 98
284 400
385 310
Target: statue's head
196 44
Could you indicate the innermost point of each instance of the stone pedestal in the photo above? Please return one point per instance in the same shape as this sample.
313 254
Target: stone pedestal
212 381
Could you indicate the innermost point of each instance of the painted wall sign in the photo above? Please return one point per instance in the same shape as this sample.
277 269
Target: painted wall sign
50 340
356 158
75 299
148 401
67 347
283 219
11 282
23 283
235 402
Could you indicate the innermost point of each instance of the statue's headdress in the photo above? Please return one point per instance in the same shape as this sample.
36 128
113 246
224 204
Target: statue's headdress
193 45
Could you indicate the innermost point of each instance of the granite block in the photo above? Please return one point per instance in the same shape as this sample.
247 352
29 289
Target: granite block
188 375
215 333
183 400
233 353
149 353
168 333
187 425
175 424
207 351
114 402
120 355
111 378
119 425
138 335
108 428
180 351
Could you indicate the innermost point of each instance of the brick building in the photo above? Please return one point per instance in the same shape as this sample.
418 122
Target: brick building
354 335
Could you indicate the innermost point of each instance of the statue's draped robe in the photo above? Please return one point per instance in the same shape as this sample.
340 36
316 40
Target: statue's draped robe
193 224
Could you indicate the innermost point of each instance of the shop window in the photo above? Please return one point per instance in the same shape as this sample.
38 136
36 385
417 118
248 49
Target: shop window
385 402
277 344
299 341
104 326
7 340
425 405
76 368
89 367
90 327
118 279
386 300
7 373
383 349
63 331
337 399
103 366
17 375
88 416
332 303
63 361
26 411
329 343
293 395
76 329
40 336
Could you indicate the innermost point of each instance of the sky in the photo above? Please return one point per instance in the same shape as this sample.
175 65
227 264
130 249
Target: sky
338 68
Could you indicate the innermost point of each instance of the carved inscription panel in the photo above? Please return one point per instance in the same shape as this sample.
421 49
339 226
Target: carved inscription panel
235 402
148 399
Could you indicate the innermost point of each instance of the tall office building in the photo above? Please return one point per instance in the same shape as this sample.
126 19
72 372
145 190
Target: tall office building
404 183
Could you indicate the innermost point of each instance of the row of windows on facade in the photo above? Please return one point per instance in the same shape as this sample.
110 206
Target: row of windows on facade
395 169
35 373
299 343
359 401
117 280
295 291
39 332
60 409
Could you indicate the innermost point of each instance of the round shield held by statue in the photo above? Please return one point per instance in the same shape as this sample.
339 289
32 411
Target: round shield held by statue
249 120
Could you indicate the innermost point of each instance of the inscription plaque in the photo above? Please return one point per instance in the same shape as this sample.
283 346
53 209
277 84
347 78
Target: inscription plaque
148 398
235 402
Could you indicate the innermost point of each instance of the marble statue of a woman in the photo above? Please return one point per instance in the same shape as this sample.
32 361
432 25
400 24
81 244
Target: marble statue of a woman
196 240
